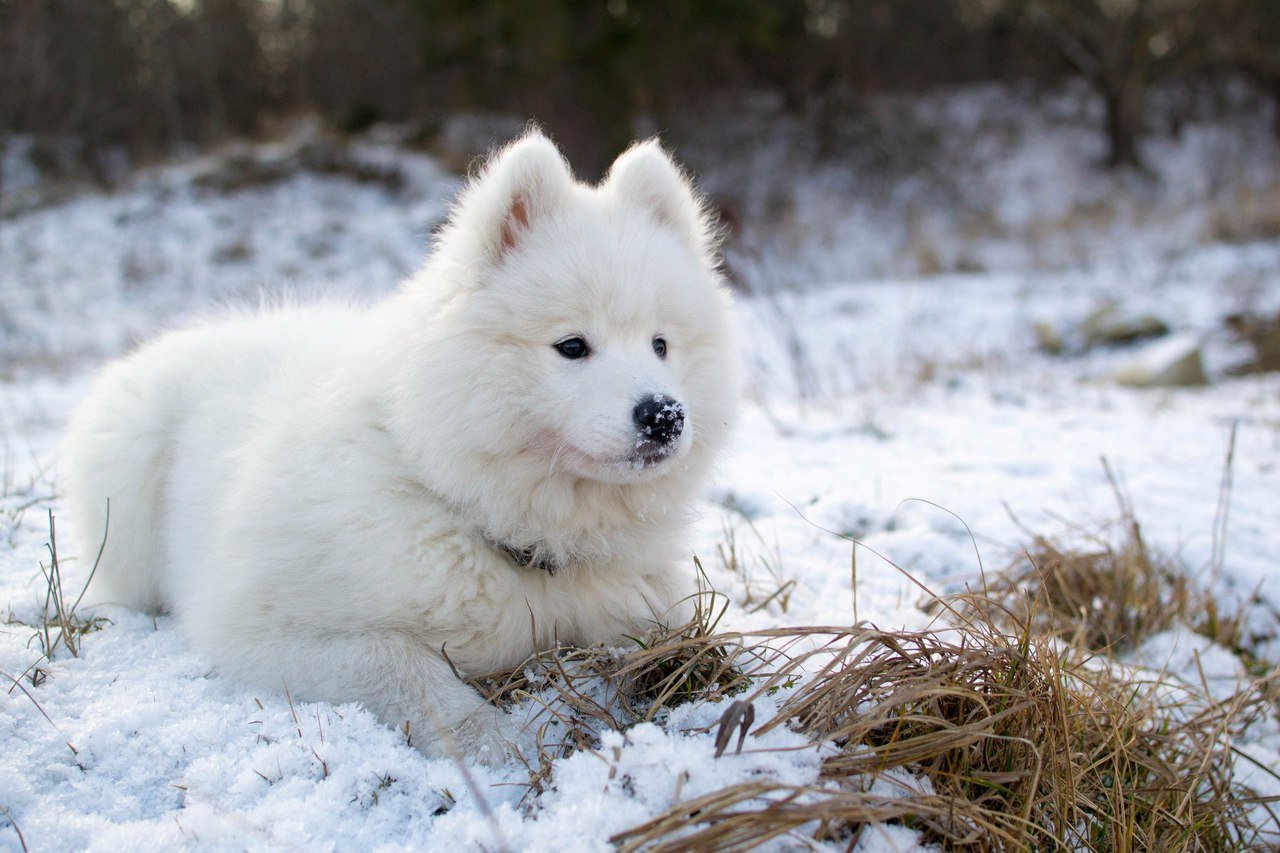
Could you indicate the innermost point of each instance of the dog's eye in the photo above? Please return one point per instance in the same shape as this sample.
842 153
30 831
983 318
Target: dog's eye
573 348
660 347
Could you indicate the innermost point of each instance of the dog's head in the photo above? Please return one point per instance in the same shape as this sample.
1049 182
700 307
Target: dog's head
595 318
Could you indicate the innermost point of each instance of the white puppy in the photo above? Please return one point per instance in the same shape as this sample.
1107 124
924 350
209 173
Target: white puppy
501 455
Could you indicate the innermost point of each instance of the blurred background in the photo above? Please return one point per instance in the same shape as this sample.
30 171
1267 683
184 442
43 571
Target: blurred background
152 75
198 150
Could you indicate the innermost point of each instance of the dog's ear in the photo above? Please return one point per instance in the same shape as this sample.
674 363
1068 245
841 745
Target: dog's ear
522 183
645 177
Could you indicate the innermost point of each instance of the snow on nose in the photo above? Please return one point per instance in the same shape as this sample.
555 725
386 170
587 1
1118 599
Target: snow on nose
659 418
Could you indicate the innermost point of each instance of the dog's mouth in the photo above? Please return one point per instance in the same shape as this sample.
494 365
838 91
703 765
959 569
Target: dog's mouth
650 454
644 457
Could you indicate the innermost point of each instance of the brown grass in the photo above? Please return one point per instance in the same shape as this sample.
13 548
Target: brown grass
1105 594
1018 726
668 667
59 625
1024 747
1106 591
585 690
758 593
1025 743
1253 214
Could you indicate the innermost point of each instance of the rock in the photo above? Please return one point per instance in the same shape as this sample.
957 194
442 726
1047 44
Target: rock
1175 361
1049 339
1109 326
307 149
1263 335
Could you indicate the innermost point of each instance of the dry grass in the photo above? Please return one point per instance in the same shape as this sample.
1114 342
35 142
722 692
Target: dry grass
16 498
309 151
1008 726
758 592
1020 742
1253 214
668 667
59 625
1106 594
1106 591
585 690
1022 746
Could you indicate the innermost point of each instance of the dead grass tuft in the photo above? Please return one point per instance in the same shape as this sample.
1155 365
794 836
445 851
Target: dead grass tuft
1104 595
1105 591
1011 726
1253 214
979 739
669 666
60 625
583 691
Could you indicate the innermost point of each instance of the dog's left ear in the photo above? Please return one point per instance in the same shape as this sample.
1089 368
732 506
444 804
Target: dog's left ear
645 177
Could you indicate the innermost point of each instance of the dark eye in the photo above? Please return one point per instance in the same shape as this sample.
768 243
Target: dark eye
573 348
660 347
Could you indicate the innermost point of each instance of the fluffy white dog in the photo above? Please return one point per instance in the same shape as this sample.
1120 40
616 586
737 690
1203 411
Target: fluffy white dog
501 455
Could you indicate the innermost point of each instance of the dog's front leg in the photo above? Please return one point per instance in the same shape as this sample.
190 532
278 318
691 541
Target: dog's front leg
409 685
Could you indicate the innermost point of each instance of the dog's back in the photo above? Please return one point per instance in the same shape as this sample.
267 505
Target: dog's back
119 457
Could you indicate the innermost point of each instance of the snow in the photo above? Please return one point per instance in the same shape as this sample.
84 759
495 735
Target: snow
910 412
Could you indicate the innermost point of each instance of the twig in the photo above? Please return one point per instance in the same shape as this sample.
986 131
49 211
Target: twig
1218 554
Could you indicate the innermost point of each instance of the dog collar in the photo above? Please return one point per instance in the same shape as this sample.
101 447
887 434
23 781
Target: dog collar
527 557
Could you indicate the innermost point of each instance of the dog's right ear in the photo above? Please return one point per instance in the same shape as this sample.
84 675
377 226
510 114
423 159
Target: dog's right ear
520 185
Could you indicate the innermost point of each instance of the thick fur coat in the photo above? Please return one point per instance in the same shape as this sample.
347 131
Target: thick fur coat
500 455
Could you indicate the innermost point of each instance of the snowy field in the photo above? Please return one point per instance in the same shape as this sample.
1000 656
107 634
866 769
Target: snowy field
916 413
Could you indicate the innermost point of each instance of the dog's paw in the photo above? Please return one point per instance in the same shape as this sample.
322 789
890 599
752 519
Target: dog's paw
488 736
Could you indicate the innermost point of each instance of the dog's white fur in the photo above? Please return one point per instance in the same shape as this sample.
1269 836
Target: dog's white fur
317 493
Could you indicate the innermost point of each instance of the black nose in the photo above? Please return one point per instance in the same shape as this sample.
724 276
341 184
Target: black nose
659 418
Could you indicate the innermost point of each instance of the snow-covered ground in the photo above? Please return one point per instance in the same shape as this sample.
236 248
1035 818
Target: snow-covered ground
914 413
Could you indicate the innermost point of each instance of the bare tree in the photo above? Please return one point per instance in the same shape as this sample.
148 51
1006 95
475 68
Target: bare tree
1119 46
1245 37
